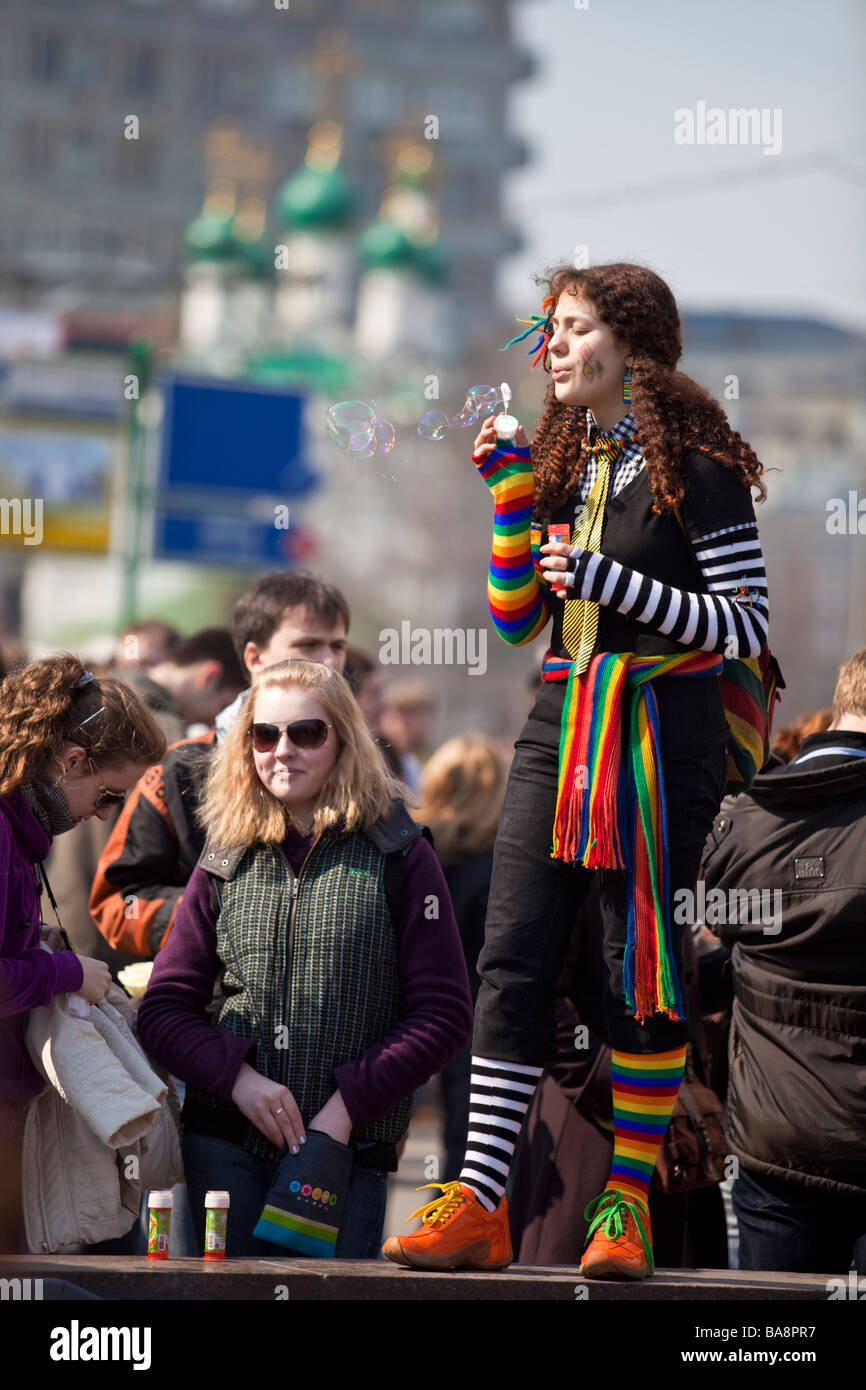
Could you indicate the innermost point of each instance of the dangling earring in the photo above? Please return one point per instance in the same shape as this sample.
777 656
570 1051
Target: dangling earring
626 386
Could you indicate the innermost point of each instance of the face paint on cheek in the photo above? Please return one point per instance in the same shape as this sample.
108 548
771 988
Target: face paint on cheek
591 366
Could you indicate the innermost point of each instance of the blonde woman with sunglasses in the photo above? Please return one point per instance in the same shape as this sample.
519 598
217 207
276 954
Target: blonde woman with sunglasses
337 1000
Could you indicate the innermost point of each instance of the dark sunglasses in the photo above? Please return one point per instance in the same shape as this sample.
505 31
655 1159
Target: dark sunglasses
304 733
106 798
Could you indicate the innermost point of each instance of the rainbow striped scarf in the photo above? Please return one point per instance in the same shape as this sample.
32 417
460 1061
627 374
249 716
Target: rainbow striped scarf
610 809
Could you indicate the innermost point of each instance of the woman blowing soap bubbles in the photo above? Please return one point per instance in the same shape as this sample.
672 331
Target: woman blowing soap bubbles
624 758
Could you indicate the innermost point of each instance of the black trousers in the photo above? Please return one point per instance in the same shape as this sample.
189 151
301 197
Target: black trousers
534 899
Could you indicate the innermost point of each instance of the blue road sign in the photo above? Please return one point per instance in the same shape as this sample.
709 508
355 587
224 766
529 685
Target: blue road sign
238 543
220 436
230 456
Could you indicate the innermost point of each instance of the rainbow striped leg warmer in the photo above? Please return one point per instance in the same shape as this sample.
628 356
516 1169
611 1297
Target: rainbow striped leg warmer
645 1087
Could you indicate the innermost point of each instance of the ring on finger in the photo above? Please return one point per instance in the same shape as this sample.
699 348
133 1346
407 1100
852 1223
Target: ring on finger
277 1112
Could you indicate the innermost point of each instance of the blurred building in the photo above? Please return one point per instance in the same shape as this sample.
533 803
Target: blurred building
113 114
793 389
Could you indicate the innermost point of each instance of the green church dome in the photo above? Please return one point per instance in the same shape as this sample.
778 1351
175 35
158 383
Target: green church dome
209 236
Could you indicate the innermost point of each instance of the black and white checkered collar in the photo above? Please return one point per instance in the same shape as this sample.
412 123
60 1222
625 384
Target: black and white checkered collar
621 430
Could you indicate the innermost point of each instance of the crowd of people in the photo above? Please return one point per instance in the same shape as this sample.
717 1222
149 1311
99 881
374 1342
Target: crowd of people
577 941
149 790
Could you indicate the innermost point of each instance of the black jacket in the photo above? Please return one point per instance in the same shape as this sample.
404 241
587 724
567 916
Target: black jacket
797 1052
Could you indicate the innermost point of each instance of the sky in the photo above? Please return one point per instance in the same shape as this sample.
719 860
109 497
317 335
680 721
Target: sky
728 226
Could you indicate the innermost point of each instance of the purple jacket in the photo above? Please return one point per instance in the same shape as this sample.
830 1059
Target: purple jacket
173 1025
29 976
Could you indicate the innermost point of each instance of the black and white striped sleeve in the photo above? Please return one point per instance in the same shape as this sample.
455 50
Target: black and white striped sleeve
732 616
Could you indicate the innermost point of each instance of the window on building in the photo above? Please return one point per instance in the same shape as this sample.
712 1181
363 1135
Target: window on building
84 63
137 162
376 99
460 109
46 55
457 196
34 148
142 70
293 91
227 6
222 77
453 16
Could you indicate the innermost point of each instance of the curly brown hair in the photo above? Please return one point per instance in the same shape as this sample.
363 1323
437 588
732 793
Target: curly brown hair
672 413
42 708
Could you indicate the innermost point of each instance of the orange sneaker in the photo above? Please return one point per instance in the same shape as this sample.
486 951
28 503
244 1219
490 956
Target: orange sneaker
620 1244
456 1232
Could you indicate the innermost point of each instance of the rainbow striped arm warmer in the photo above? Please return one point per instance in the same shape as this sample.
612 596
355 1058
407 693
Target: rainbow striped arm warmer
516 593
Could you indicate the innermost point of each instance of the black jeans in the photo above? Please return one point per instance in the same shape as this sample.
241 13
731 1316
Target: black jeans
534 899
788 1226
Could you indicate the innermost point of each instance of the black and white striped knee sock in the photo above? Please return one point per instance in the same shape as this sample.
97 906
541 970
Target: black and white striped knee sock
500 1095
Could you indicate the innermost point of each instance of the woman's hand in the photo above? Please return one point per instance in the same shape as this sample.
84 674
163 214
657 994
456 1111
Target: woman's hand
334 1119
556 571
97 980
270 1107
486 440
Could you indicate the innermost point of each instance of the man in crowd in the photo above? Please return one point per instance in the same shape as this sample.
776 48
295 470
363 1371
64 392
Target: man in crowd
796 843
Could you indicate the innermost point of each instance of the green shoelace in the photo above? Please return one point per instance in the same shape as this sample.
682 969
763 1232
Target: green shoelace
613 1222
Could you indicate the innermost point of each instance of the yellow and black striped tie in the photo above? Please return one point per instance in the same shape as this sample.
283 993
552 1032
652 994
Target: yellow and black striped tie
580 619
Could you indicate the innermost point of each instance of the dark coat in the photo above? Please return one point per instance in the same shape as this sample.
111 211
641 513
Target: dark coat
797 1052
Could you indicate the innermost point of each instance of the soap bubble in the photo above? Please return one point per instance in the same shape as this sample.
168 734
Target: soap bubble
351 425
385 436
433 425
356 428
480 402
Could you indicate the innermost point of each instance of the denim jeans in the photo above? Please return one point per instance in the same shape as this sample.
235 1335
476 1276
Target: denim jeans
222 1165
534 899
789 1227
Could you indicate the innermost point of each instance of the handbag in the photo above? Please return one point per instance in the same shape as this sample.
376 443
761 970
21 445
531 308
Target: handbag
694 1148
306 1200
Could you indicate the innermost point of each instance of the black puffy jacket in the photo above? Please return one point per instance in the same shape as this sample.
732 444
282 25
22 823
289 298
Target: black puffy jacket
797 1051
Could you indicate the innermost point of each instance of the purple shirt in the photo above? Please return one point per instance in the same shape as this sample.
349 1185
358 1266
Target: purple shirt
29 975
437 1020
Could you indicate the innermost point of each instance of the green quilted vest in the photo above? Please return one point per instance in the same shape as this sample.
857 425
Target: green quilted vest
314 987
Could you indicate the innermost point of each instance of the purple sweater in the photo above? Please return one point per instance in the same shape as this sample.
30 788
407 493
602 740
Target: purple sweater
29 975
173 1026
